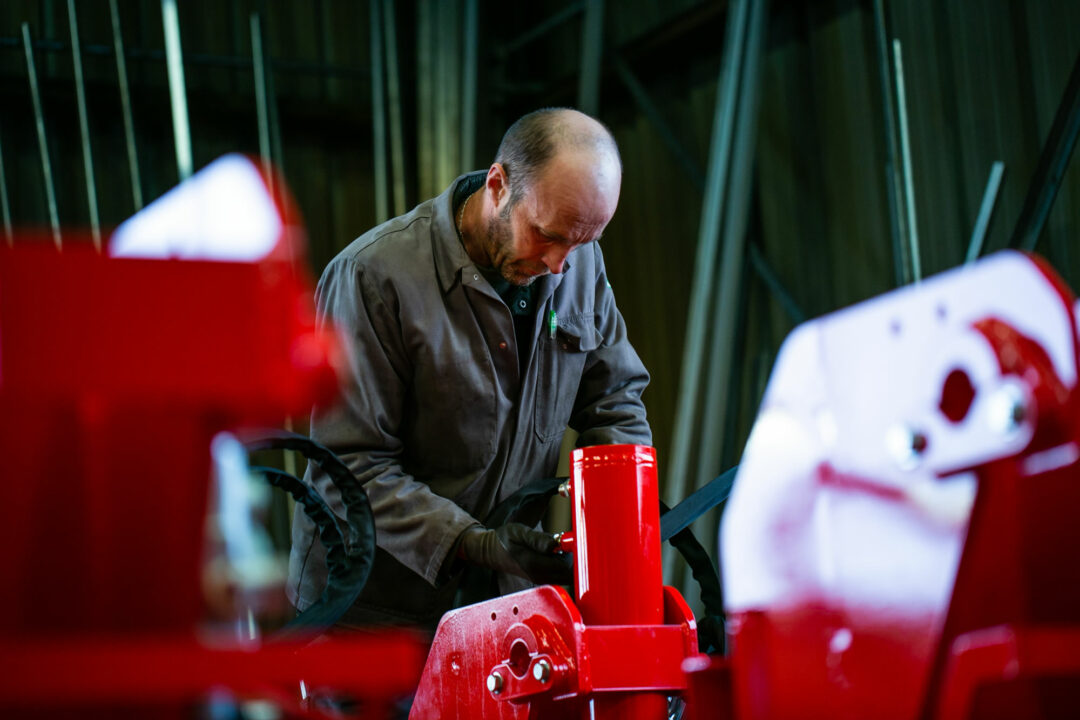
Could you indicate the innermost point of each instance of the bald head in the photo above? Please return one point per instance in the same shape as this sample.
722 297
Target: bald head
532 142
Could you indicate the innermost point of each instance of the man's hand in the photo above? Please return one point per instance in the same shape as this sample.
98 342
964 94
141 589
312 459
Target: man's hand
518 550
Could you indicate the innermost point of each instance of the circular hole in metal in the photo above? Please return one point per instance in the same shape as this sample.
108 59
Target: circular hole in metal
957 395
492 616
515 609
520 658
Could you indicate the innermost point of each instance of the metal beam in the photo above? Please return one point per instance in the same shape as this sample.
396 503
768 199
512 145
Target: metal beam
720 400
378 114
693 171
645 104
540 29
701 288
84 128
262 110
393 107
174 62
592 46
125 105
909 180
298 67
986 212
43 144
772 281
893 184
1053 161
5 208
468 87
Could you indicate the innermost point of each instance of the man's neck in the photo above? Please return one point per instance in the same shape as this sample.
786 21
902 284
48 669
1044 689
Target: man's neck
469 229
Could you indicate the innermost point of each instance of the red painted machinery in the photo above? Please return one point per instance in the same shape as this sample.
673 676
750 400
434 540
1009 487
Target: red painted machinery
616 653
901 540
115 375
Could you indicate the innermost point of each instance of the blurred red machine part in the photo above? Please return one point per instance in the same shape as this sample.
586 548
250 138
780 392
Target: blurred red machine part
115 373
901 539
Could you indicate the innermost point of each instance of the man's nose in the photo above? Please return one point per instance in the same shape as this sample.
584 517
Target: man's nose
554 260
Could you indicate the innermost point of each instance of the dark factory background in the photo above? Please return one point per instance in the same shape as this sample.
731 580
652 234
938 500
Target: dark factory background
775 153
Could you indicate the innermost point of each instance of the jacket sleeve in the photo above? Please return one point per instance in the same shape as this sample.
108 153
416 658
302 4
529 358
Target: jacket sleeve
608 407
416 526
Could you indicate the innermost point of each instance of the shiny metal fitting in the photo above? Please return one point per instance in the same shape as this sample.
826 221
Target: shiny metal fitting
494 683
542 671
564 489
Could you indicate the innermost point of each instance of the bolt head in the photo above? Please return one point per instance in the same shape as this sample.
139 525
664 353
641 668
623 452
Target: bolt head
542 671
906 445
495 683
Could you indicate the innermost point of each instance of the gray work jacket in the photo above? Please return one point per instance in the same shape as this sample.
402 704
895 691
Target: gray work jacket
435 419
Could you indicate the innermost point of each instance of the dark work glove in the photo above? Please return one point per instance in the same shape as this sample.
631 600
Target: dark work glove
518 550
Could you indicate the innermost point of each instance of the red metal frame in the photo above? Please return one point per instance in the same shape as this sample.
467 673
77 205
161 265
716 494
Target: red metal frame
877 421
616 653
115 373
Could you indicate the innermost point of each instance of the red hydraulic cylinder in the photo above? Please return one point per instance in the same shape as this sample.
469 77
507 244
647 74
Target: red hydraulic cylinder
618 576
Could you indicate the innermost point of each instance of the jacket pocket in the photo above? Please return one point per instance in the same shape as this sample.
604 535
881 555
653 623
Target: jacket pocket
561 360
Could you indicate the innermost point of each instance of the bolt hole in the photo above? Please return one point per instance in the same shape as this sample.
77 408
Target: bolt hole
492 616
957 394
520 657
515 610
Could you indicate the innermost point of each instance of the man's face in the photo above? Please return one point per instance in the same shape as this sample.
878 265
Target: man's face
569 204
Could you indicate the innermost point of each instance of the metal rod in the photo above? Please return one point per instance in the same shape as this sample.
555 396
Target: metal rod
592 45
190 59
468 87
378 115
43 145
174 62
84 128
261 106
728 300
693 171
425 98
1053 160
701 288
540 29
125 104
772 281
393 107
986 212
5 209
909 182
898 231
276 153
447 93
648 107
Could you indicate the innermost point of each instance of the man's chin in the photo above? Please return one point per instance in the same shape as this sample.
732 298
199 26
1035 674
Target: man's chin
522 279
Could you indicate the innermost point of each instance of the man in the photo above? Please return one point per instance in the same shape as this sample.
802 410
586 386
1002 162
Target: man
477 326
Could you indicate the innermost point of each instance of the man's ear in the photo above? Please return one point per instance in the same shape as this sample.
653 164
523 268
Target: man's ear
498 184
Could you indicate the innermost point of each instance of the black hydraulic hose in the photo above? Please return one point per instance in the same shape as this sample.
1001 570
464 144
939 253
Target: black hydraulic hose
349 556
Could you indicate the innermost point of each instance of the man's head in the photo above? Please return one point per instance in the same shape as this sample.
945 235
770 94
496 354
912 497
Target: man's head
554 186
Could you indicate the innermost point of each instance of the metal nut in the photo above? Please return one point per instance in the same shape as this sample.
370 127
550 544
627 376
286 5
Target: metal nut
542 671
494 683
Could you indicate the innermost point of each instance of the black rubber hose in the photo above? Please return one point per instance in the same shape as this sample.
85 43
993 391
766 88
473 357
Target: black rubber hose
348 562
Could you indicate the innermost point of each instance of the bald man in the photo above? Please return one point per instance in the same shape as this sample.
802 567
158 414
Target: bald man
479 326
